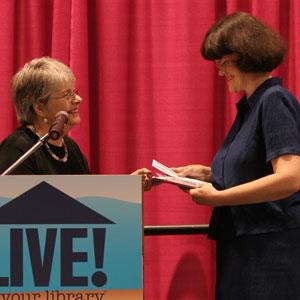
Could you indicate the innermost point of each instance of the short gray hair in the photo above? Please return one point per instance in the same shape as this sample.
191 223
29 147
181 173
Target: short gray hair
35 82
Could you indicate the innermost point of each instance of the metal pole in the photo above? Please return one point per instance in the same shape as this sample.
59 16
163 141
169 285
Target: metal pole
26 154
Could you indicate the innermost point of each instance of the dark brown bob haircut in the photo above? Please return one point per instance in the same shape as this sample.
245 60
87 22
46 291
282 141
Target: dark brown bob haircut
258 47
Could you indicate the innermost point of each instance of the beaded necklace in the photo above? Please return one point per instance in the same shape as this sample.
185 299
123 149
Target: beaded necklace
63 159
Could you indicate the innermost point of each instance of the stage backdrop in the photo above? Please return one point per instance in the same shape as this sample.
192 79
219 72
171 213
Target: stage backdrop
147 94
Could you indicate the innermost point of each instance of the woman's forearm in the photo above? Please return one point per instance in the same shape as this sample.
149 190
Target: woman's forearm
269 188
284 182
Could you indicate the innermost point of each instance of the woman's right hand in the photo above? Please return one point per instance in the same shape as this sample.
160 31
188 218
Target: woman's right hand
199 172
146 178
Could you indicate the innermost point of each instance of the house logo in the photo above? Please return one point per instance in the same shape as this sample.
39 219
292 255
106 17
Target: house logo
49 236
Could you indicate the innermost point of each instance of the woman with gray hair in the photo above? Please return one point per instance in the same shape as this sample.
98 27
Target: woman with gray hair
41 89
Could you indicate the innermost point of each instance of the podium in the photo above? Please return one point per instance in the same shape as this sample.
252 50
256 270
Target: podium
71 237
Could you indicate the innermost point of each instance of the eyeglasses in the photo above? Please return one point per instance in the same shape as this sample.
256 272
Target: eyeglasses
221 64
68 95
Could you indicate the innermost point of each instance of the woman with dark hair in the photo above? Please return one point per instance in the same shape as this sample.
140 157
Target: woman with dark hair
254 180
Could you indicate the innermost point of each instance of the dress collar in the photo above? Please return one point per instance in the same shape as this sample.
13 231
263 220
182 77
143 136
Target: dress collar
245 104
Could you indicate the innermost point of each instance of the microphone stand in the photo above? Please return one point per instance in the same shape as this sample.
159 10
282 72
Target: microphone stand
26 154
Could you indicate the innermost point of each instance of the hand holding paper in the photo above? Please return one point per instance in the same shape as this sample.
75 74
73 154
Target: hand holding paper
168 175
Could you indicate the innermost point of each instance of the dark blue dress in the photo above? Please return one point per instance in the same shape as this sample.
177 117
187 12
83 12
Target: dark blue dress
258 245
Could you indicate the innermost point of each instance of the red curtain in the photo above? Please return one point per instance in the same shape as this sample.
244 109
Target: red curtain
147 94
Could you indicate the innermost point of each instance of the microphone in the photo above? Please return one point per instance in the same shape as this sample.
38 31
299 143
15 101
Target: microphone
56 130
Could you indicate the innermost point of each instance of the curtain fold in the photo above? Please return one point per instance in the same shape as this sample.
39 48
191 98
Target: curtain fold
147 93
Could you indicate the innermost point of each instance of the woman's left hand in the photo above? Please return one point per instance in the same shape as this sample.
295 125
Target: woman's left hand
205 195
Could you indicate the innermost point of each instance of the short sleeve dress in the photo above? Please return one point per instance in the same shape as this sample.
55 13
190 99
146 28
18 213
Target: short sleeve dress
258 245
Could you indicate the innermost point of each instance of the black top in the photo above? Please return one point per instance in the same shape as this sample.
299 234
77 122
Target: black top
40 162
267 126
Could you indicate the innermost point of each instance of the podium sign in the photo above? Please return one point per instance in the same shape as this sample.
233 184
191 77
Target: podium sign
71 237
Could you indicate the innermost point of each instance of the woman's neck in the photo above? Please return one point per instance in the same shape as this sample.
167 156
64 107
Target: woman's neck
42 128
254 80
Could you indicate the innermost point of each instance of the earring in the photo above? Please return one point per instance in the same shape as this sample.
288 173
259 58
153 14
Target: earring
45 120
